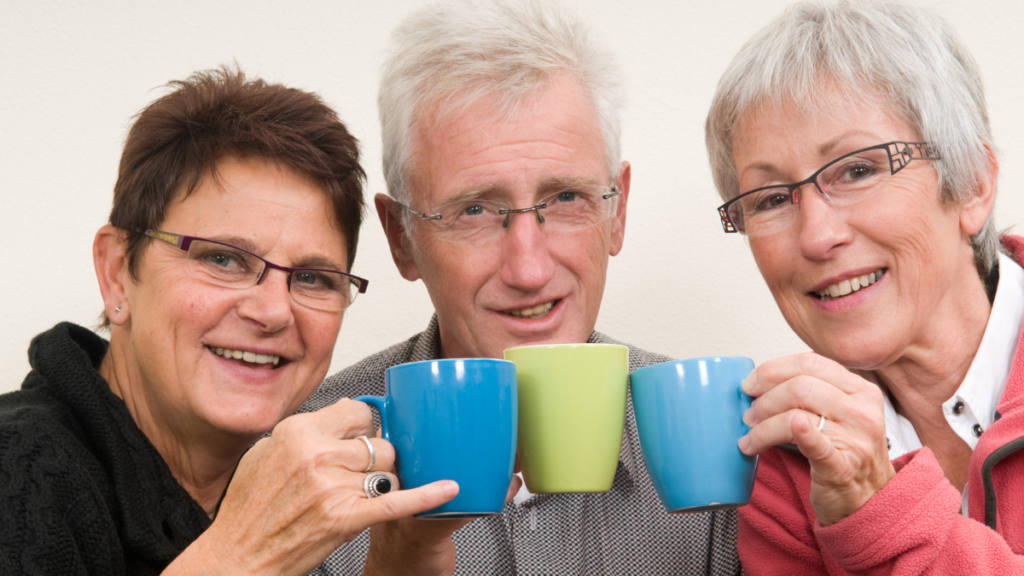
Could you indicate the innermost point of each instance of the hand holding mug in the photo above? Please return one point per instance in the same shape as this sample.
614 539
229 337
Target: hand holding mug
849 457
299 494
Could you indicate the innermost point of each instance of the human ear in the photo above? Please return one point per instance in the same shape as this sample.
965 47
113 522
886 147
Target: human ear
619 218
389 213
109 257
975 210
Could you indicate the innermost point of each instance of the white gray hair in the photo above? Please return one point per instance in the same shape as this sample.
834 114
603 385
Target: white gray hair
909 57
451 54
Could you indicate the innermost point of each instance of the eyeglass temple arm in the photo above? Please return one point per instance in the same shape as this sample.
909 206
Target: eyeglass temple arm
924 151
172 239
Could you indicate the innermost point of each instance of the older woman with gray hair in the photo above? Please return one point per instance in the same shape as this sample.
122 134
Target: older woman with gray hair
851 144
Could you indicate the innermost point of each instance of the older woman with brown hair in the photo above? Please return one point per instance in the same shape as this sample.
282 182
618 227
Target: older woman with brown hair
851 144
225 275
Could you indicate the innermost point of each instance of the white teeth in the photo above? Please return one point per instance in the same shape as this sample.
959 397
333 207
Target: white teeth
250 357
845 287
532 312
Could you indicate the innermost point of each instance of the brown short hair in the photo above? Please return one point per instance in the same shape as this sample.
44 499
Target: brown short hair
213 114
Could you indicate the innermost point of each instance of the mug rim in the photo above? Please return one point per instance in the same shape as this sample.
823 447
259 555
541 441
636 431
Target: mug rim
451 360
567 345
419 365
698 358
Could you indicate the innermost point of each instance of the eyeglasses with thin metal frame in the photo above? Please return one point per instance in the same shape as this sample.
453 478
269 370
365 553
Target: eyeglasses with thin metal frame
569 209
223 264
842 181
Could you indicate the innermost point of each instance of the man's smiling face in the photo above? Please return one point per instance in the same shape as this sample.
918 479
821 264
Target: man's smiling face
530 285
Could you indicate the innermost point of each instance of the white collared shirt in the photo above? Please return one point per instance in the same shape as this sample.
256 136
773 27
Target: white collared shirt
972 408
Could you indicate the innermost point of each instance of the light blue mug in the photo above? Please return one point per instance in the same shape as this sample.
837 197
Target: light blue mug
689 414
455 420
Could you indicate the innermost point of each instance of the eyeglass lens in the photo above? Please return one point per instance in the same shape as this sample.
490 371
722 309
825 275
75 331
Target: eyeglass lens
232 268
564 211
843 182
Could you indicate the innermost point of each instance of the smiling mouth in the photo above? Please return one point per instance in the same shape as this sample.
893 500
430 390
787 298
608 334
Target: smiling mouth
247 357
847 287
533 312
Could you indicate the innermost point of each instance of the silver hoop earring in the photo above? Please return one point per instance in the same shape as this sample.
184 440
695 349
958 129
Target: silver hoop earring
118 309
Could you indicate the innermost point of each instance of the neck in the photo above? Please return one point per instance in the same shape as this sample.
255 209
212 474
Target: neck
930 370
202 459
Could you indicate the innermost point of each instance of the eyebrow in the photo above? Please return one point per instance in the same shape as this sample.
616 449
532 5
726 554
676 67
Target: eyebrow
546 186
304 262
823 150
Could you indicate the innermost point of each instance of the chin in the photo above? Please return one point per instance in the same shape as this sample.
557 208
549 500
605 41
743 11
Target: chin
856 353
250 421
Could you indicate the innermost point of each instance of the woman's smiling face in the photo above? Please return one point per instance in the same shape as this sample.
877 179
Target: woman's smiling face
180 326
913 244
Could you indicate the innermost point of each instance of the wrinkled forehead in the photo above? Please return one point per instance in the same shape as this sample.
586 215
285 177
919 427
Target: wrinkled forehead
491 145
828 101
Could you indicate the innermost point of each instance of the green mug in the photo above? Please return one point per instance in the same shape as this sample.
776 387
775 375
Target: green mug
572 407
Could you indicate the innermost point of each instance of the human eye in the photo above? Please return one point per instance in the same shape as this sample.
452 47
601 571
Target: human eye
221 260
769 200
315 280
468 213
224 259
566 196
472 210
856 171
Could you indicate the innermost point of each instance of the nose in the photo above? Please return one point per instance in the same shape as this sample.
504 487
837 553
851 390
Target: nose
820 226
527 264
268 303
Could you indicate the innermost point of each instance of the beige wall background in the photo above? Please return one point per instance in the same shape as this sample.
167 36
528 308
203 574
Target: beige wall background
73 73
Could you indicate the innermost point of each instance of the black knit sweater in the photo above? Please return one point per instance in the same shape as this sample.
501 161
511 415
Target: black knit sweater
82 490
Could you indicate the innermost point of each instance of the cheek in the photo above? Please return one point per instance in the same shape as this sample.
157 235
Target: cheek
774 263
585 257
457 269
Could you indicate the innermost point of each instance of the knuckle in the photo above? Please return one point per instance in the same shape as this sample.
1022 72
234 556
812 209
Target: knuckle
385 453
357 416
807 361
292 427
802 388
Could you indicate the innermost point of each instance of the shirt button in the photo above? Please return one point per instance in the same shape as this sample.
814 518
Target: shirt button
977 430
958 408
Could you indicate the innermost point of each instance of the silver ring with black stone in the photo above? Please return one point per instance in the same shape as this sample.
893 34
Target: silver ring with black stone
378 483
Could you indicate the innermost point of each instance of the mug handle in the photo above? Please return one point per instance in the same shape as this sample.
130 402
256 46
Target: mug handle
381 404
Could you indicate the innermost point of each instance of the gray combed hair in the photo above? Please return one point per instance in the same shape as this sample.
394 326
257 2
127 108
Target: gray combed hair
910 59
451 54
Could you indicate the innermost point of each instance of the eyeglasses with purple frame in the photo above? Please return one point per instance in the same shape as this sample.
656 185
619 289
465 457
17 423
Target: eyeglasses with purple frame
185 242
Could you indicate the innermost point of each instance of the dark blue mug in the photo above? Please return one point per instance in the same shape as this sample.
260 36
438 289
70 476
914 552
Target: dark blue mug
453 420
689 414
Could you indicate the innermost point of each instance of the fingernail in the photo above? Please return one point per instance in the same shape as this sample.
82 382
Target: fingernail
744 443
748 382
748 417
449 488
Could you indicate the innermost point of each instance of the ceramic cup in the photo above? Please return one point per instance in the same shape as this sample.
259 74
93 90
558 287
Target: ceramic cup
689 414
453 420
572 406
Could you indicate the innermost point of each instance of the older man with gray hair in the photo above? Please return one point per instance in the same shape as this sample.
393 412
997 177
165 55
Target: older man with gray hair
507 196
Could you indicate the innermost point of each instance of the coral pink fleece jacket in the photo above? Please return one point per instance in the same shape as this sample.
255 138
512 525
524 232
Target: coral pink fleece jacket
913 525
